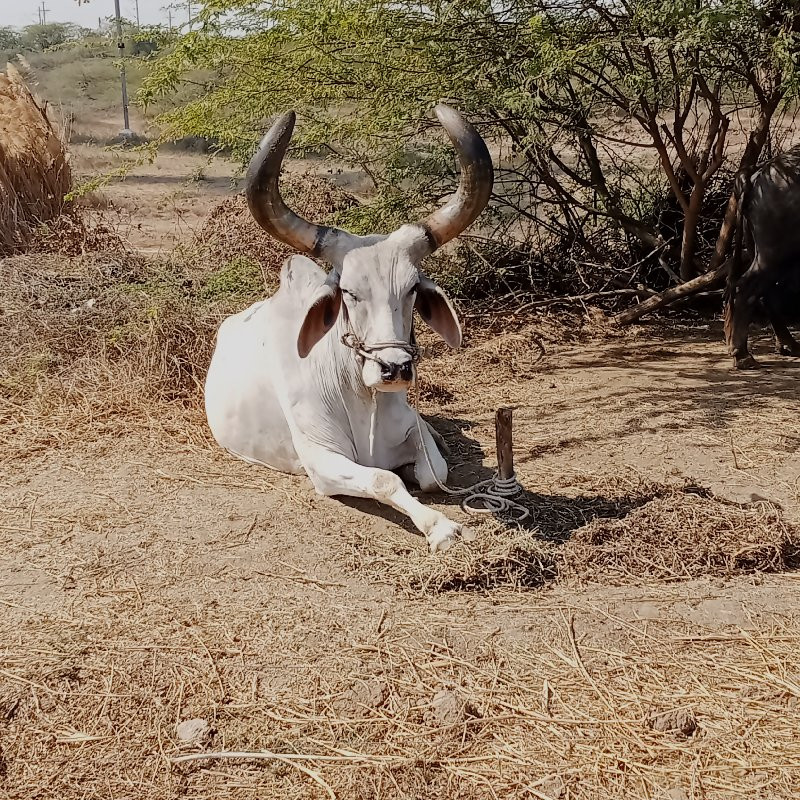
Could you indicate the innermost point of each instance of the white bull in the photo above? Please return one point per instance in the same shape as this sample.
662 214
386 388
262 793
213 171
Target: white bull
314 379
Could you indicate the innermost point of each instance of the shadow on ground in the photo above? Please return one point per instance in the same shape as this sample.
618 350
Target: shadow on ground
552 516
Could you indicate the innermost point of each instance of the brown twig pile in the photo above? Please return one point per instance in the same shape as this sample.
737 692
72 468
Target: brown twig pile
34 165
230 232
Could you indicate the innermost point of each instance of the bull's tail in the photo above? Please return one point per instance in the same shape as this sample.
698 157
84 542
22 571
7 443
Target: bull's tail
741 187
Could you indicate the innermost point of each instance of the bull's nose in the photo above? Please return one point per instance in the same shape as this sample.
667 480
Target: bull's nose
406 371
389 372
397 372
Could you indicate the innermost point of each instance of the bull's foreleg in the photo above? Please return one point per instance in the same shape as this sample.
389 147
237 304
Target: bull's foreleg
444 448
335 474
430 468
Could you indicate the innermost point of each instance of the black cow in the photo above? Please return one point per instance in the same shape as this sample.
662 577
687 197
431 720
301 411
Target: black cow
769 216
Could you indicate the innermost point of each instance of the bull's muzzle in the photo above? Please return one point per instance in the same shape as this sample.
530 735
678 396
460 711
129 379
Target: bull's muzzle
393 373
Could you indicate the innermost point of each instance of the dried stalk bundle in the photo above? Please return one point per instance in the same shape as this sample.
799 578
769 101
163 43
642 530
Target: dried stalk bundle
35 174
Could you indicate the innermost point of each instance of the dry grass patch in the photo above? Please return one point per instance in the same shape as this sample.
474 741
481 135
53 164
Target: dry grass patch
92 343
416 708
498 558
682 534
627 531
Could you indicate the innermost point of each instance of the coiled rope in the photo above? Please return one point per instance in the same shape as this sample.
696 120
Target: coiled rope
494 494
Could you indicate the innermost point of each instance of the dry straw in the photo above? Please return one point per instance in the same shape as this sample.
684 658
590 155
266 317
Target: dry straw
631 532
35 174
344 688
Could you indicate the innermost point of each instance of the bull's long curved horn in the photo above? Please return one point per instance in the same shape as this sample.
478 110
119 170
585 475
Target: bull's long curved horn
475 187
264 197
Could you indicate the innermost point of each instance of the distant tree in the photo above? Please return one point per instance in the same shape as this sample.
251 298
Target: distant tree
618 121
9 38
53 34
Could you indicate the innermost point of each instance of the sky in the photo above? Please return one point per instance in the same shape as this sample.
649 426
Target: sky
23 12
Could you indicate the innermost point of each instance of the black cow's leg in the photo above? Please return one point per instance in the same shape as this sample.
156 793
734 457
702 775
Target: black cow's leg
745 298
785 343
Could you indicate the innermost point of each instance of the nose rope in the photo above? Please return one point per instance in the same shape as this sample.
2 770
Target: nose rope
366 351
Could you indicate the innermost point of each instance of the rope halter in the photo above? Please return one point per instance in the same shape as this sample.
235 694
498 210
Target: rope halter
367 351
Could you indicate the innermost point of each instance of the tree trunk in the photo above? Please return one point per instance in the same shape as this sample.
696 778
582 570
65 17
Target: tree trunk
690 221
670 295
718 269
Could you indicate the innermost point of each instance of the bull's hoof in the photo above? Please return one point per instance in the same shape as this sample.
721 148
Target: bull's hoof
445 532
788 349
746 362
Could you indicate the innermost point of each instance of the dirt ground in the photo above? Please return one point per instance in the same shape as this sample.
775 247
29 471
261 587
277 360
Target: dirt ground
148 579
162 203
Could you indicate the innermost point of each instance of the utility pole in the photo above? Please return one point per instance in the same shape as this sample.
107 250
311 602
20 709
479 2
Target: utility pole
169 16
44 14
137 15
126 131
189 4
39 10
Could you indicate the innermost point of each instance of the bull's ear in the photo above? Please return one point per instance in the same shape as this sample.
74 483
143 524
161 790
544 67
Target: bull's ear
321 315
435 308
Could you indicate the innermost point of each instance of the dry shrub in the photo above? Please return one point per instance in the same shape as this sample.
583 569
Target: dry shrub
34 165
96 340
230 232
75 233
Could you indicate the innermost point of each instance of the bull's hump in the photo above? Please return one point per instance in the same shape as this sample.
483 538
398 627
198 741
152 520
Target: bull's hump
301 276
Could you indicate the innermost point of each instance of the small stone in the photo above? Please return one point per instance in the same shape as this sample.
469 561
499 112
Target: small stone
678 721
8 708
552 787
446 708
192 730
363 694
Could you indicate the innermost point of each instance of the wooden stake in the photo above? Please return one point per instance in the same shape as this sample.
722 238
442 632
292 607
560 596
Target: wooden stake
505 453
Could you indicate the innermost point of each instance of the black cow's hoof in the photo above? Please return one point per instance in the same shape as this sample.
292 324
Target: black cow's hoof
746 362
788 350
